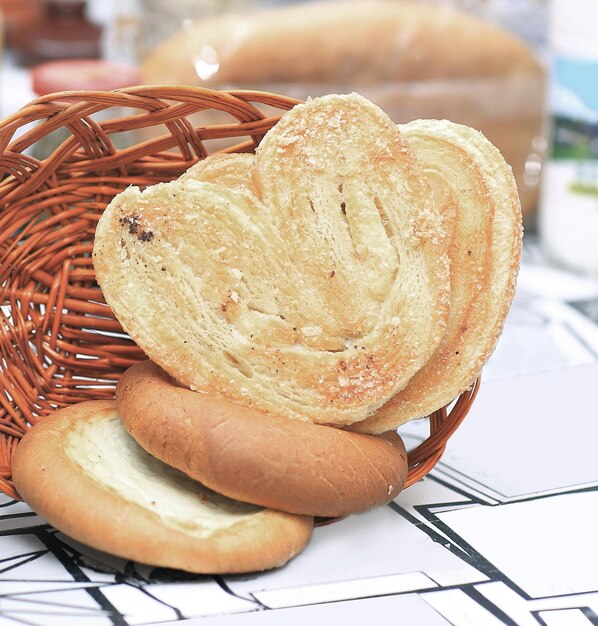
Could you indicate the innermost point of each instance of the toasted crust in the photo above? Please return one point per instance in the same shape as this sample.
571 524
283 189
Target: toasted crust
268 460
57 486
315 298
482 212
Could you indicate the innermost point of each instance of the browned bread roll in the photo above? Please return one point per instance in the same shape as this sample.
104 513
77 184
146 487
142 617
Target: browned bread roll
314 293
80 470
251 456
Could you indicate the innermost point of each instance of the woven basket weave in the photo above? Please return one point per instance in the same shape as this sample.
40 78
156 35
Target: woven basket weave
60 343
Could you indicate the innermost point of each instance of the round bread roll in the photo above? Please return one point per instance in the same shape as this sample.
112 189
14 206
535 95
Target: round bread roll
263 459
315 298
475 188
80 470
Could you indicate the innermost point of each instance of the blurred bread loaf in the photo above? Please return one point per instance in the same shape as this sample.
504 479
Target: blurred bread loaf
412 60
357 42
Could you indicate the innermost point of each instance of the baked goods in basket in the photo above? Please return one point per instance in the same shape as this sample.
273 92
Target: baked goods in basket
269 460
348 276
81 470
315 298
312 282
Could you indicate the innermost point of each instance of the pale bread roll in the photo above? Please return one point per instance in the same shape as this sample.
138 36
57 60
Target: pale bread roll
316 298
80 470
264 459
477 192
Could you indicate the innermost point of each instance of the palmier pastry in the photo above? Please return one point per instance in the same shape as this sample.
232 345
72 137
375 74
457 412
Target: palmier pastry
475 190
80 470
230 170
314 294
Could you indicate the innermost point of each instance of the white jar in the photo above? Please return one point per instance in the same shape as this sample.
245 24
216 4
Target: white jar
569 201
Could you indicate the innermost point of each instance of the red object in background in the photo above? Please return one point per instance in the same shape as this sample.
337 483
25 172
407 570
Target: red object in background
61 32
92 75
19 15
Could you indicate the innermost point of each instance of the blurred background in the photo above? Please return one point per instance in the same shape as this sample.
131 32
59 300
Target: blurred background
524 72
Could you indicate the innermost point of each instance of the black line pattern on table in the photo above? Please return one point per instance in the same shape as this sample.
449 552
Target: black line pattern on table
589 308
422 516
580 338
73 564
477 597
250 597
588 613
437 530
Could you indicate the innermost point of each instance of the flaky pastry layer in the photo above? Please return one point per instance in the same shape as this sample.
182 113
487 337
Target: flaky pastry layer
476 192
315 291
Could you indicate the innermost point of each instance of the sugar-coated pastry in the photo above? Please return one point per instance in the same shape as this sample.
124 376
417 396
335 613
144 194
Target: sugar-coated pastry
230 170
314 293
477 193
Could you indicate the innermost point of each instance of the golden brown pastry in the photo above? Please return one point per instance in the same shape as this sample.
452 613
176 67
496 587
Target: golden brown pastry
231 170
80 470
315 298
475 189
477 193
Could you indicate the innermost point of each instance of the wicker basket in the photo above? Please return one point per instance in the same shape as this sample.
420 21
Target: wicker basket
60 343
